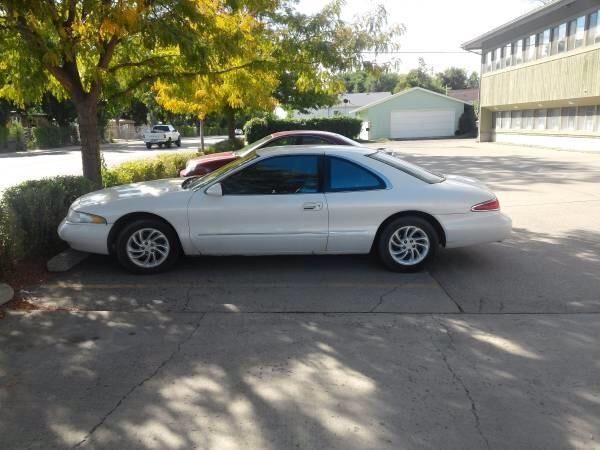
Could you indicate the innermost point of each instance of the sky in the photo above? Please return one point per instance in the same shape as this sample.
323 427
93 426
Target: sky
437 25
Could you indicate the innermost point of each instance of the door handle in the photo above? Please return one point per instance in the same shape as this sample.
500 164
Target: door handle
312 206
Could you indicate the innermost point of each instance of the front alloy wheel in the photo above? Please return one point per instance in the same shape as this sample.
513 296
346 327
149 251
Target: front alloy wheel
147 246
407 243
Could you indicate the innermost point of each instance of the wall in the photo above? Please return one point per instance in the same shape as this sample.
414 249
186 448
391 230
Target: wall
574 75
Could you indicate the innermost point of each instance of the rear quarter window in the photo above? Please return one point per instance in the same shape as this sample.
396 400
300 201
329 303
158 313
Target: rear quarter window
393 160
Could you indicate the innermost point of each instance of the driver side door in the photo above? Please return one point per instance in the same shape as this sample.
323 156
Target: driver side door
274 206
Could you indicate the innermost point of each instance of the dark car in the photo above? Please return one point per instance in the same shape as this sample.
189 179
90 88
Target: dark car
207 163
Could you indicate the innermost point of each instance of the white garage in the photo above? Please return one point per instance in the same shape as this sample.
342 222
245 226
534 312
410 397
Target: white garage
411 114
416 124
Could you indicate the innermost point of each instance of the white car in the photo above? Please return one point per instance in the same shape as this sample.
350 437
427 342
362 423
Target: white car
289 200
162 135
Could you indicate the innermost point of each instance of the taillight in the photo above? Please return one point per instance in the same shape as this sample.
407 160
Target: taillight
490 205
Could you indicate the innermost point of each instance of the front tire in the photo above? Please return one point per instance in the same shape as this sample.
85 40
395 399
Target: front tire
178 142
168 144
407 244
147 246
148 145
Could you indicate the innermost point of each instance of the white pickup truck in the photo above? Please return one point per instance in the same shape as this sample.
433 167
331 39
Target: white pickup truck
162 135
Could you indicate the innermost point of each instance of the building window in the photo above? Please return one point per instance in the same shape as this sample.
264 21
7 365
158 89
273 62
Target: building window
585 118
568 118
559 39
543 44
505 120
498 123
488 62
594 28
508 55
540 119
527 119
498 59
529 54
518 52
576 32
515 119
553 122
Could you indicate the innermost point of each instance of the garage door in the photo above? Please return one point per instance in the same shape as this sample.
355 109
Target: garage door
422 123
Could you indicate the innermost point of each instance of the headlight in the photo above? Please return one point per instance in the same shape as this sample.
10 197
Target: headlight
81 217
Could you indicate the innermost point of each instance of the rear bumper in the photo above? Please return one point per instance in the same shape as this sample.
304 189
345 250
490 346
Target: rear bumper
85 237
475 228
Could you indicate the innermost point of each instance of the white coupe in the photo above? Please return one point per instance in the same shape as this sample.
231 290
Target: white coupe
289 200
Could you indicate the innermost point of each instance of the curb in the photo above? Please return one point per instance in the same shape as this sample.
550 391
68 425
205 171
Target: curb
66 260
6 293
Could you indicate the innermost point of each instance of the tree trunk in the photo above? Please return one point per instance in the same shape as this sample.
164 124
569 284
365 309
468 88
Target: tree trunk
87 114
201 127
230 116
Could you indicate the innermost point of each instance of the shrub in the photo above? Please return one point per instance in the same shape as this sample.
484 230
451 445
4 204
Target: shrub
258 128
226 145
52 136
30 213
161 166
188 131
467 121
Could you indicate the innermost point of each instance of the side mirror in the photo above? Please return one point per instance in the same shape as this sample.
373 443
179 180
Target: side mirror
215 190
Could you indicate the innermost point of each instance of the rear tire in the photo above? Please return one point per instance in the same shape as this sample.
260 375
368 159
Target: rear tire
407 244
160 145
147 246
148 145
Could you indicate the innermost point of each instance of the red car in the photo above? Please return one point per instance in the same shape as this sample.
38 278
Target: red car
207 163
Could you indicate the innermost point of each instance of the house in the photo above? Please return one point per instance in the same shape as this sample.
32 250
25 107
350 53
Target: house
540 82
409 114
346 103
470 95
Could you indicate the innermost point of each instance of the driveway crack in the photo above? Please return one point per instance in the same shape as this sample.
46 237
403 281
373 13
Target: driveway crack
460 308
155 372
461 383
381 298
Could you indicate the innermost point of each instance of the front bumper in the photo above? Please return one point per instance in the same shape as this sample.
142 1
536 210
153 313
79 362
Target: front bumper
475 228
86 237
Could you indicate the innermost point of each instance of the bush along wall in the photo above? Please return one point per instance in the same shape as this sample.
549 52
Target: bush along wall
258 128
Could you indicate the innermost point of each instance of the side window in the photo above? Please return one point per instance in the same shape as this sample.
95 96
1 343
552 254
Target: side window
344 175
314 140
286 140
298 174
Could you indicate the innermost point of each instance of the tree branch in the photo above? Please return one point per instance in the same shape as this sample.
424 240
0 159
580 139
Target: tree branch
136 63
150 77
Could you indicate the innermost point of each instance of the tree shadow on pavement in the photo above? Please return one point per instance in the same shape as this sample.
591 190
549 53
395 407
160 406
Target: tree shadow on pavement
208 380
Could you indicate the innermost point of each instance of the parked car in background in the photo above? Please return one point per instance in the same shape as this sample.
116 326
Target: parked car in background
162 135
289 200
207 163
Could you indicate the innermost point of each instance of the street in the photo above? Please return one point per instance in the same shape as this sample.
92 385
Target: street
492 347
31 165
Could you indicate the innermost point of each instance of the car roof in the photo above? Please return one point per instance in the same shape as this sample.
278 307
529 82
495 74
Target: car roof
304 132
312 149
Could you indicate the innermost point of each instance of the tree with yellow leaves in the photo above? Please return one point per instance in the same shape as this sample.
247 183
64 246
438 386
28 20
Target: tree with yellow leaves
93 51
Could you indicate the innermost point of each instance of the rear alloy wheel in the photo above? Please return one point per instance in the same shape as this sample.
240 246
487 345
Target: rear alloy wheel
407 244
147 246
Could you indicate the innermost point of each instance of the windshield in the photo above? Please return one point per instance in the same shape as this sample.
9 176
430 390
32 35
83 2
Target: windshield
248 148
394 160
200 182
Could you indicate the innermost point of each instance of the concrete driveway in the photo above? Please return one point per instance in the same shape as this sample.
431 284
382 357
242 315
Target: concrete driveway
494 346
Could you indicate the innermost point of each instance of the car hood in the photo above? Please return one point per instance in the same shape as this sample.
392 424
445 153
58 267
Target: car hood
135 191
213 157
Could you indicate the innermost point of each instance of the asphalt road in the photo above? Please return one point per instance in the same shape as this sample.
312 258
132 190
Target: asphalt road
31 165
493 347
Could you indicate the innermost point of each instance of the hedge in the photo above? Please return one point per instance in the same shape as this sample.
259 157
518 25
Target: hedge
258 128
188 130
30 213
161 166
51 136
